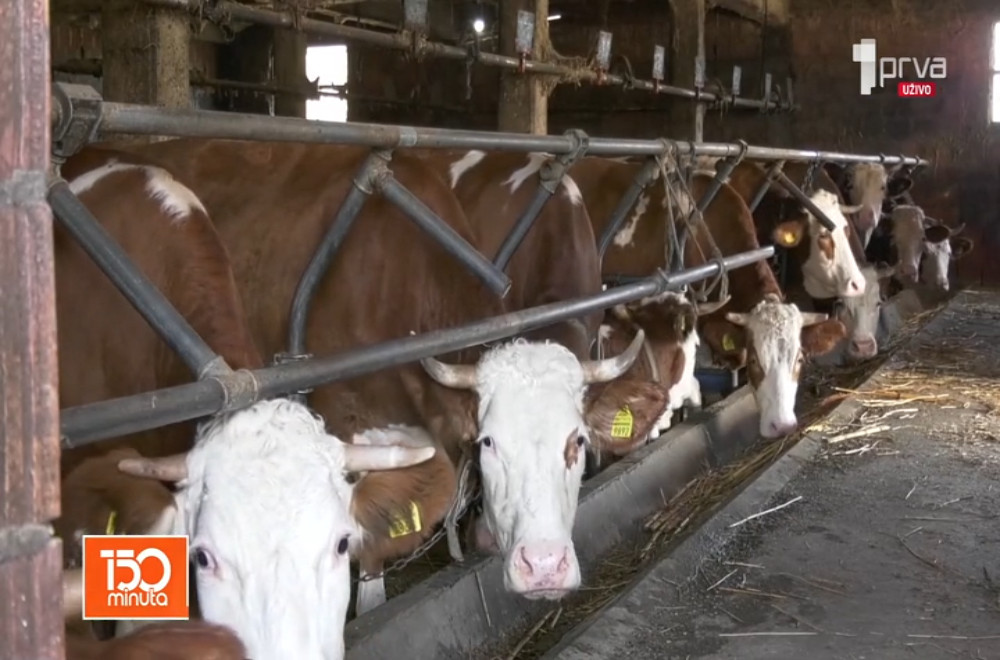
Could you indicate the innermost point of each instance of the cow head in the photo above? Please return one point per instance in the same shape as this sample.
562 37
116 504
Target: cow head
860 314
264 500
532 442
866 187
940 247
830 270
776 338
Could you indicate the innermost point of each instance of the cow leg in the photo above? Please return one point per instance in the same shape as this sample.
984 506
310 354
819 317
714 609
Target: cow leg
371 593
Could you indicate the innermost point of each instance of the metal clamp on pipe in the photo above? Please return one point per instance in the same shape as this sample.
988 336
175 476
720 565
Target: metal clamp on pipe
549 177
115 263
77 111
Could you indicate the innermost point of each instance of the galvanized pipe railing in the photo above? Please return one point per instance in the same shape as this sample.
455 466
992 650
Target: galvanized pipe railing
222 10
126 118
92 422
154 307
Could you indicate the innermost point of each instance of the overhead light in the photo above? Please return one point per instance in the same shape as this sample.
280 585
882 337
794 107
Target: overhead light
479 25
555 17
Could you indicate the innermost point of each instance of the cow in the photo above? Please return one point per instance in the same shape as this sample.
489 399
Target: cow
861 314
868 186
755 325
925 247
168 640
519 401
269 467
557 260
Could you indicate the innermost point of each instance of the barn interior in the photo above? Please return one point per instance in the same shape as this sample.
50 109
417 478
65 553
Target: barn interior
709 541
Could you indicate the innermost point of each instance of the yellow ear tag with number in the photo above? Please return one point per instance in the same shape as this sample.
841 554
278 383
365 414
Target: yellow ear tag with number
400 526
622 424
727 342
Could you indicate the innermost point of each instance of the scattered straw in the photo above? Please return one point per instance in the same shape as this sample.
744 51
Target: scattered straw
765 512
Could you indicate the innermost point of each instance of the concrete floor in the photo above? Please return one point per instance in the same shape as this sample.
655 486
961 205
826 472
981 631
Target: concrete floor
892 551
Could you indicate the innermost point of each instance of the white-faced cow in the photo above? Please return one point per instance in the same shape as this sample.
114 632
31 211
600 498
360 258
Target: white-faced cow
867 186
925 247
521 400
779 338
262 465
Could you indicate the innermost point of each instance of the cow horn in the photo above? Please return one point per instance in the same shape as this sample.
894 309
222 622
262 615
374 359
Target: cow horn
955 231
706 308
848 210
72 589
601 371
168 468
365 458
459 376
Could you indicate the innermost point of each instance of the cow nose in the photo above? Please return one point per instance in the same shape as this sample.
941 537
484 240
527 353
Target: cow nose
856 286
864 347
543 566
778 428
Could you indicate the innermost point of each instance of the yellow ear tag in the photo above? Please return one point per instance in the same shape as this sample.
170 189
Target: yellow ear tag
621 425
787 237
400 526
727 342
109 529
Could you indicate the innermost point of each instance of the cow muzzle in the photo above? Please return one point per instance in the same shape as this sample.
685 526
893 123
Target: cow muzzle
543 569
862 347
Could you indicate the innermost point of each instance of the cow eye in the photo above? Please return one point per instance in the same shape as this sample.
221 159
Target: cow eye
580 441
486 441
342 545
203 559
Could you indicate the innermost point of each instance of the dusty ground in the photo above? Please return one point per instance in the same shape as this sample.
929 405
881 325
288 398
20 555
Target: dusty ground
893 550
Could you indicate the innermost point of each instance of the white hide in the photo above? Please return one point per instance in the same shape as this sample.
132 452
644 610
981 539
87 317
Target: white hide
175 199
837 277
687 390
267 501
531 403
531 168
860 315
935 266
908 236
868 185
776 330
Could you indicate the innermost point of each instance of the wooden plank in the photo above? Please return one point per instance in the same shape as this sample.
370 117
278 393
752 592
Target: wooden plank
524 102
30 576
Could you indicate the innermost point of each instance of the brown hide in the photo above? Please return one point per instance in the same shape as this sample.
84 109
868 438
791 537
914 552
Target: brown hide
728 220
272 203
642 400
171 640
106 349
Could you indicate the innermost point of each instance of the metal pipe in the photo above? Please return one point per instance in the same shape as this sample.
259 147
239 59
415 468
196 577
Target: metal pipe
92 422
448 238
224 10
723 169
161 315
803 198
522 227
361 189
772 174
642 179
146 120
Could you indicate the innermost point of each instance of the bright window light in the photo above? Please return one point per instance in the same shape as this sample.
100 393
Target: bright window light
479 25
995 78
329 64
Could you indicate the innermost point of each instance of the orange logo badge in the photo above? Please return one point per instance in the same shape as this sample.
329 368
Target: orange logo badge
135 577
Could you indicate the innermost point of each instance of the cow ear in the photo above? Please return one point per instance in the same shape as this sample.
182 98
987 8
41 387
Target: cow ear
961 247
821 338
789 234
726 340
621 417
937 233
897 186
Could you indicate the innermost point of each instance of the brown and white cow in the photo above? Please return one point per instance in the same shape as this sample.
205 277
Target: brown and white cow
168 640
755 325
521 400
270 467
867 186
925 247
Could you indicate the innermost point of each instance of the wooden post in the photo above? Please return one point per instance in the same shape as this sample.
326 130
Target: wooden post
31 623
688 43
289 71
145 55
524 101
